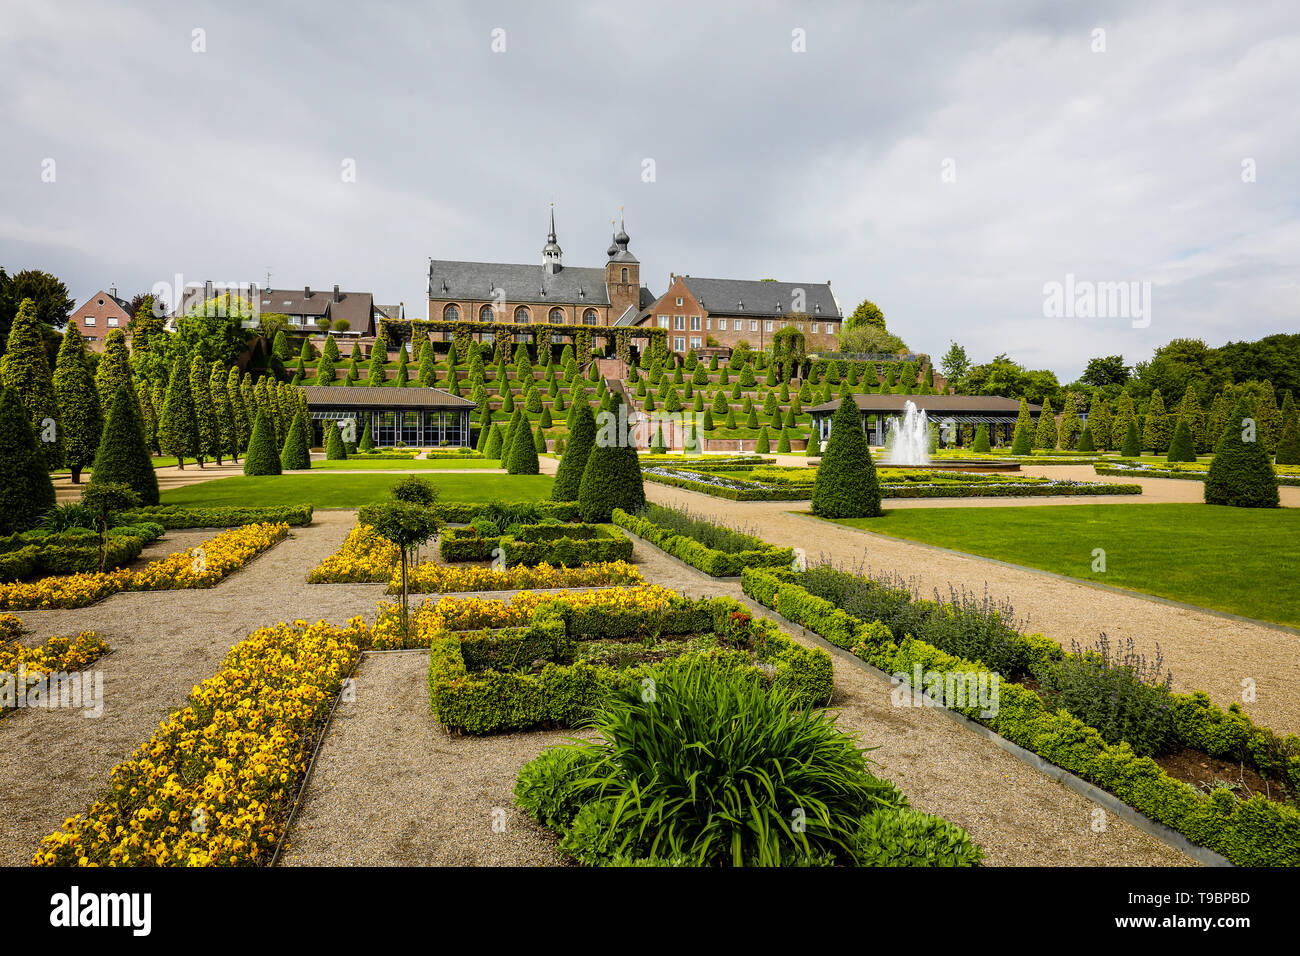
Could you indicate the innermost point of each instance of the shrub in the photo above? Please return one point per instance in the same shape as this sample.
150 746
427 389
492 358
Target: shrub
907 837
26 491
1132 447
261 457
847 485
367 442
611 477
1086 443
1240 473
293 457
1021 443
523 452
1119 693
123 457
1288 446
764 444
670 777
1181 446
981 443
334 450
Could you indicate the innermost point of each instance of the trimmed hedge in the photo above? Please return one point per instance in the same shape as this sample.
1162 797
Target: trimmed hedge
1155 471
463 512
1253 832
72 552
468 693
803 492
566 545
173 517
716 563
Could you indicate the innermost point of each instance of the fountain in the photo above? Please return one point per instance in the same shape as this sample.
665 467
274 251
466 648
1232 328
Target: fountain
909 438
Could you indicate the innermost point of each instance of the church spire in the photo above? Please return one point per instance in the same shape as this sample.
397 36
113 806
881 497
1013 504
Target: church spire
552 255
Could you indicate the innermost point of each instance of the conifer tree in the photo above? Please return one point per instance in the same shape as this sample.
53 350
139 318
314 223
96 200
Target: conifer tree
1070 425
123 457
494 444
204 415
291 456
25 368
376 376
227 429
1240 473
262 458
78 403
1045 436
26 491
847 485
1155 433
611 477
178 431
114 369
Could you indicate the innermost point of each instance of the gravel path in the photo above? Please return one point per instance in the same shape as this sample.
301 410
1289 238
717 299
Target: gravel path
55 763
392 788
1204 651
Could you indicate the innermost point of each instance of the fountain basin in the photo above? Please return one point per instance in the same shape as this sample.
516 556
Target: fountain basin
977 465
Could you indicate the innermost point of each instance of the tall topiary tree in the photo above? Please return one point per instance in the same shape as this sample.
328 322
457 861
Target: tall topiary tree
178 432
205 416
78 403
367 444
1240 473
523 451
262 458
292 457
612 476
847 485
1045 436
539 439
114 369
1155 432
495 443
378 357
1132 445
26 491
227 430
334 450
1181 446
582 436
1086 443
123 457
1099 423
148 416
981 443
1288 446
1070 424
25 368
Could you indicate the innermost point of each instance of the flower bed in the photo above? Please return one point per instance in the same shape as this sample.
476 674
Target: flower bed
909 485
202 567
588 610
173 517
58 655
564 662
215 784
682 541
431 578
365 557
1187 471
1251 832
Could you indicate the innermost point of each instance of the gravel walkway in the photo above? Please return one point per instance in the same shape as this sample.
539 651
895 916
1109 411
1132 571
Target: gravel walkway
392 788
1204 651
55 763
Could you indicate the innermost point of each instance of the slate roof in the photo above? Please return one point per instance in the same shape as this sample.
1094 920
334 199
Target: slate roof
357 307
763 299
572 285
363 396
931 404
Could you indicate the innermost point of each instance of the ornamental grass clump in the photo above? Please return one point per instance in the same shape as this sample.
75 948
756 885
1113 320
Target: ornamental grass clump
705 766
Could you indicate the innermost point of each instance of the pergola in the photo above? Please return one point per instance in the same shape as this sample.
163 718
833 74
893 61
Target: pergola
943 410
414 415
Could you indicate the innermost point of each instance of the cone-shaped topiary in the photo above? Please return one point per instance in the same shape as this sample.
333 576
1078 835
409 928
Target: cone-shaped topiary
26 491
981 442
78 402
539 440
1155 428
1288 446
764 444
582 436
783 446
178 432
495 440
123 457
508 439
376 375
1241 474
334 450
367 441
847 485
1132 447
1045 436
1021 444
1182 447
292 457
1086 443
522 459
658 446
25 368
612 476
261 457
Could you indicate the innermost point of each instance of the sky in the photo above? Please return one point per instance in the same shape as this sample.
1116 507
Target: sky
949 161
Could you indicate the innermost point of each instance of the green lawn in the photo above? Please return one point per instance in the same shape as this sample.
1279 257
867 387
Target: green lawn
413 464
1240 560
349 491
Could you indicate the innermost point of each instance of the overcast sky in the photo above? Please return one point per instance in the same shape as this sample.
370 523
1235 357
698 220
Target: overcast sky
944 160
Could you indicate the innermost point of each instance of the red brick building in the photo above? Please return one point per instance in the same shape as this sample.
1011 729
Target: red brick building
701 312
99 315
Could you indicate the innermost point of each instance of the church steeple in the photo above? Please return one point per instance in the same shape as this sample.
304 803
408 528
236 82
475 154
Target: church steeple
552 255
